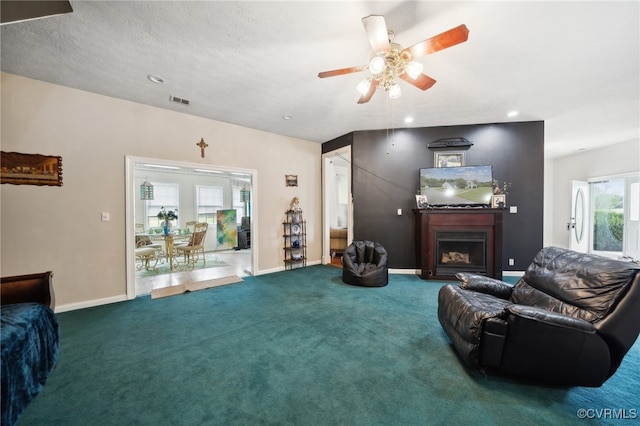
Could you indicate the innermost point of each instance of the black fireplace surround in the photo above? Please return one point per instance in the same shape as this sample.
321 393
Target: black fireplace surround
461 251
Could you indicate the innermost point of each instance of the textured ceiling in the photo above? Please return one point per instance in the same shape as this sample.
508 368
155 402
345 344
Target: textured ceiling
574 65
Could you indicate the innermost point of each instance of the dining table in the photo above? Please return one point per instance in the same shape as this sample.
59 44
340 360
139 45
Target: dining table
169 244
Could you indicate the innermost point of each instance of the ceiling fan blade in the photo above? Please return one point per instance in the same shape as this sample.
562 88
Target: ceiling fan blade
439 42
376 29
423 82
342 71
367 96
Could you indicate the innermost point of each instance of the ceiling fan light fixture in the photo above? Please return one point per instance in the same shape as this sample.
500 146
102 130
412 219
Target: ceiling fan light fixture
394 91
377 65
414 69
363 86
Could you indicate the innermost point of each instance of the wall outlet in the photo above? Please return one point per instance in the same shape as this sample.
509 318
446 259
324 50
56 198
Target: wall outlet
512 262
513 209
399 212
105 217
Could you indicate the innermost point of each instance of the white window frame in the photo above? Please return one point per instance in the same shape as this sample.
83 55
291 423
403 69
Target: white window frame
631 214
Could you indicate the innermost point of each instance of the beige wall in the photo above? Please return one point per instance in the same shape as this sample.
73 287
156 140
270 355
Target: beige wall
612 160
60 228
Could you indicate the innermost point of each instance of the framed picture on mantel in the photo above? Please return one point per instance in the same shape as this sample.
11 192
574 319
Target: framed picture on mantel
422 202
498 201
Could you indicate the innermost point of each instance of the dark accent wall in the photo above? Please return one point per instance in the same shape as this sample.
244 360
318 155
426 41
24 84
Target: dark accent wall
385 168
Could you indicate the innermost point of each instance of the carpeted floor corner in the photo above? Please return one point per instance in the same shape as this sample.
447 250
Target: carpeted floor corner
296 347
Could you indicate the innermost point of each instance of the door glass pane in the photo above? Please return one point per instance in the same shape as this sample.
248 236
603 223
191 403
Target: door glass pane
608 215
579 216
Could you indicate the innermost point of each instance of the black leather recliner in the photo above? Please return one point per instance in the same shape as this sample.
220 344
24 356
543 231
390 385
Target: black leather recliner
568 321
364 263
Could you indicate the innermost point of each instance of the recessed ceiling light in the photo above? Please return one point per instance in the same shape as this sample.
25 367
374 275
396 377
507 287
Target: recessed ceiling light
408 120
155 79
512 113
286 117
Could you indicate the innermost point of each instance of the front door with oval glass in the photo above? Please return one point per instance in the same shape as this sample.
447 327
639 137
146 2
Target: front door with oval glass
578 224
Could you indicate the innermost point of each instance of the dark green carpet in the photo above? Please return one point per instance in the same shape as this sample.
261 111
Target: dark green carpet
296 347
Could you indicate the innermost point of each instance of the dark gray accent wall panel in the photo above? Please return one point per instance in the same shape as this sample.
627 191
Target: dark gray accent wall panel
386 178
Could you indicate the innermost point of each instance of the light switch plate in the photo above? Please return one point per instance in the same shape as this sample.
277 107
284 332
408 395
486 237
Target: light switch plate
105 216
513 209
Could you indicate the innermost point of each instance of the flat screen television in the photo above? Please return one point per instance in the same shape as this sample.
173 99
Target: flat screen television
457 186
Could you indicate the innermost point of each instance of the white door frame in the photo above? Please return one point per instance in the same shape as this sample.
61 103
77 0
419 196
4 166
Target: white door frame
345 153
131 192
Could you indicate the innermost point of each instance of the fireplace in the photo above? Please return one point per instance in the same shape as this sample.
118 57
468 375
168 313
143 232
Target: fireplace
459 240
460 251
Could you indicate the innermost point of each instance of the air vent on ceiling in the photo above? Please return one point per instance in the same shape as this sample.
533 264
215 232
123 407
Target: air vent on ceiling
179 100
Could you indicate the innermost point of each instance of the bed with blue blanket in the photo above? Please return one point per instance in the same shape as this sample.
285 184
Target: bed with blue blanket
29 340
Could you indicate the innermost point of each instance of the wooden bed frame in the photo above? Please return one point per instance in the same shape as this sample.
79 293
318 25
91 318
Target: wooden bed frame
28 288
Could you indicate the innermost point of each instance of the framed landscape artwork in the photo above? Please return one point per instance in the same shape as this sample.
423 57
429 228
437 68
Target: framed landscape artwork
30 169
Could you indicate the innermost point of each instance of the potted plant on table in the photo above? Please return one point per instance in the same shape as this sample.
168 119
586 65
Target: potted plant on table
166 216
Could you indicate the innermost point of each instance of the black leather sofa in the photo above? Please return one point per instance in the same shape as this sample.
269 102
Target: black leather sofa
364 263
568 321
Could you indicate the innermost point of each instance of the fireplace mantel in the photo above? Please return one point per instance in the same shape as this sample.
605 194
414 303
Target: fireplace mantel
467 223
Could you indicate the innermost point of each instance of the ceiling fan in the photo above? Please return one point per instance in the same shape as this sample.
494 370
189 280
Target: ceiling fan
389 61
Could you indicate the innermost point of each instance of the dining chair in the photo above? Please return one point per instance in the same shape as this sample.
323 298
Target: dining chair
144 254
195 246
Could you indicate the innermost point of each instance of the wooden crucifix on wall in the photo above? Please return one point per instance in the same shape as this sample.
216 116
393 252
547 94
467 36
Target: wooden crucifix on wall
202 144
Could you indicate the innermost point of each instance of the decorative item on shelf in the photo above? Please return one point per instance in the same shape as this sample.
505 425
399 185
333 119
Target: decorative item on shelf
295 237
166 217
498 201
295 205
421 201
499 198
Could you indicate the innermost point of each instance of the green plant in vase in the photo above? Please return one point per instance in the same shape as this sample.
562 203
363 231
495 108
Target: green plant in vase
166 216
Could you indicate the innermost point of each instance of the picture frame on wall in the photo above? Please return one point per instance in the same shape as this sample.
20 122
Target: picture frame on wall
448 159
30 169
291 180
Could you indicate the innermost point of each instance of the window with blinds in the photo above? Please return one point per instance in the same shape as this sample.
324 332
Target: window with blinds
166 195
209 200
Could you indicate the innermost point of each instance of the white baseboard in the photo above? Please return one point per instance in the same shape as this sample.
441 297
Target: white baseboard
282 268
90 303
405 271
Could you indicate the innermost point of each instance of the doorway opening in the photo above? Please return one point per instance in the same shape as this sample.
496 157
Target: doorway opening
338 204
198 193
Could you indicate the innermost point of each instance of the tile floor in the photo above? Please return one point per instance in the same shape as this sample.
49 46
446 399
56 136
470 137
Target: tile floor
239 263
